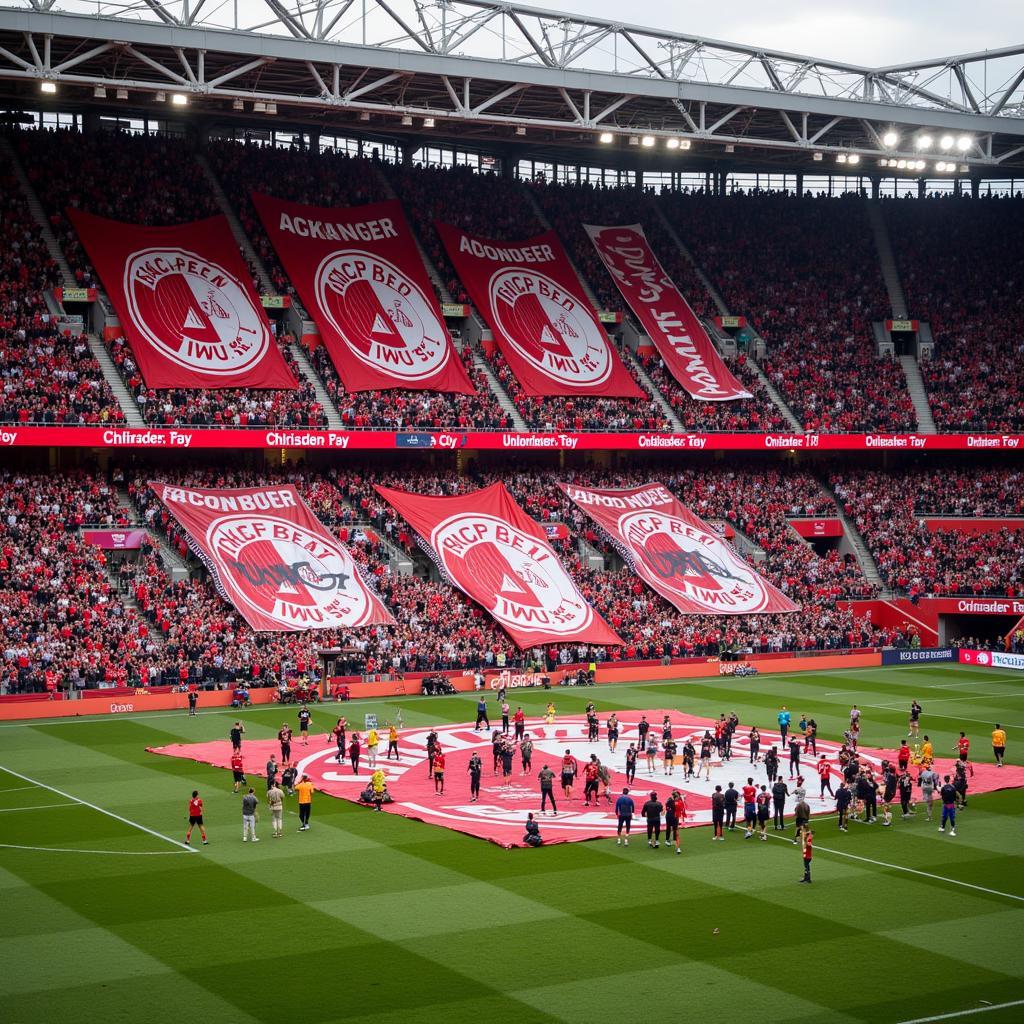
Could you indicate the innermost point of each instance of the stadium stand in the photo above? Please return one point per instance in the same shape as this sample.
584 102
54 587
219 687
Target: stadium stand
805 272
972 303
887 508
151 181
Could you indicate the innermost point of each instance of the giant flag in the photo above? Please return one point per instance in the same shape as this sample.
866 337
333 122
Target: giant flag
489 548
358 272
186 303
664 314
272 559
531 298
677 554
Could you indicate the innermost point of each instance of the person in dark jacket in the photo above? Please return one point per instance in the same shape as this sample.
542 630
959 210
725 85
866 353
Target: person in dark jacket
779 793
651 810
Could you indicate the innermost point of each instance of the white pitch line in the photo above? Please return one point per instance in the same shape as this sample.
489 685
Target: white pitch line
963 1013
102 810
912 871
949 700
106 853
16 789
36 807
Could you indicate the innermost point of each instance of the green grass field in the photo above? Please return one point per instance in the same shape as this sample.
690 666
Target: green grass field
375 918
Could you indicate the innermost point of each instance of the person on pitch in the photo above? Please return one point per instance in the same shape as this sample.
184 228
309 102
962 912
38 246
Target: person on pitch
284 739
999 744
195 817
546 777
526 753
624 811
392 742
475 770
651 811
305 718
338 732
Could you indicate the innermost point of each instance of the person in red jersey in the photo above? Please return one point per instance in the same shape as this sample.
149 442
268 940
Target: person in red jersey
675 816
591 780
807 847
284 737
237 770
749 807
963 749
903 756
570 769
824 776
438 769
519 721
195 817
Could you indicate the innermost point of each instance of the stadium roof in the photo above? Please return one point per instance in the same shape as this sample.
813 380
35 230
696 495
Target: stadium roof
491 73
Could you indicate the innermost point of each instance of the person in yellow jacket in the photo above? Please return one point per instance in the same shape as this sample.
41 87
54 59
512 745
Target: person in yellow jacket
392 741
999 744
379 784
549 714
927 754
372 739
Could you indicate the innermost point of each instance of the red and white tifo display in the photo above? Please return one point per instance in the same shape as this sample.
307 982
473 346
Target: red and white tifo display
501 811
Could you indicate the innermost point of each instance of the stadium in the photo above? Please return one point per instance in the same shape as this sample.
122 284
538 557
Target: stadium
555 483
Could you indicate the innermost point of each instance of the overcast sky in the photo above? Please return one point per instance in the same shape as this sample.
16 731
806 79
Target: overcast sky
863 32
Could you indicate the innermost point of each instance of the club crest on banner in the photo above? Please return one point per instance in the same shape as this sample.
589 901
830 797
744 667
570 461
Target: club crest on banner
382 314
193 311
548 327
530 589
696 564
298 578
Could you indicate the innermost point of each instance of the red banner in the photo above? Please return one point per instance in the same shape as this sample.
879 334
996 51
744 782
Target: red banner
186 303
677 554
358 273
812 528
114 540
664 314
19 436
272 559
532 300
490 549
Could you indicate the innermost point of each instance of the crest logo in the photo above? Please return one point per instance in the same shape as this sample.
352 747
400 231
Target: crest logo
383 316
301 579
527 586
694 563
194 312
549 327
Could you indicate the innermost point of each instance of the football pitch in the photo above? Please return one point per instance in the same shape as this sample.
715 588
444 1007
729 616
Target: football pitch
377 918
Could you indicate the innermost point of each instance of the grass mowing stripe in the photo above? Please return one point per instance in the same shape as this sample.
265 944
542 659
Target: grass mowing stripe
102 810
964 1013
34 807
912 871
107 853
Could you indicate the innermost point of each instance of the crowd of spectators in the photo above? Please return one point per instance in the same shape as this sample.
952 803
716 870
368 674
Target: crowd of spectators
61 621
47 375
918 560
806 274
960 264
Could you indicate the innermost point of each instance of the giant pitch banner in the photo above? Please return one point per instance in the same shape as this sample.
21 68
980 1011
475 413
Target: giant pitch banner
272 559
186 303
489 548
531 299
664 313
358 273
677 554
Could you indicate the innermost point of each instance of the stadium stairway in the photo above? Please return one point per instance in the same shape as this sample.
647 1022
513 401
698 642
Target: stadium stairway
864 557
887 260
334 420
723 309
918 395
117 384
248 250
36 209
499 392
659 399
174 564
